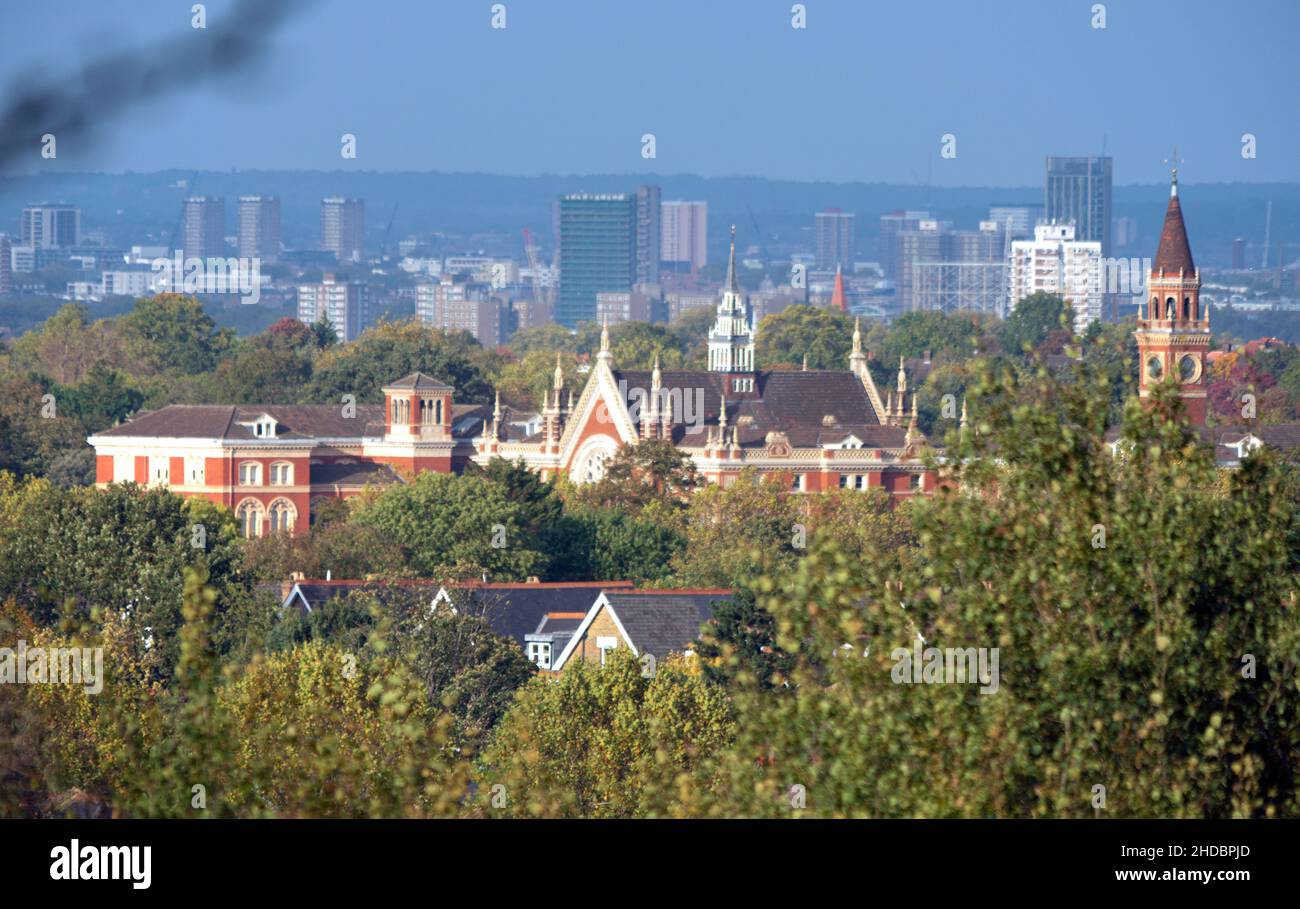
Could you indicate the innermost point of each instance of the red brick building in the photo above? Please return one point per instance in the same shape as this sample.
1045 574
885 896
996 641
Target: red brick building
272 464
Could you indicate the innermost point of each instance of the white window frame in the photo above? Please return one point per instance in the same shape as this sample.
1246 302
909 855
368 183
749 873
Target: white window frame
196 471
255 470
279 468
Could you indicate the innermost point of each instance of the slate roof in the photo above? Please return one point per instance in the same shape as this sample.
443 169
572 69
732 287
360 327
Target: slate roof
293 422
660 622
1174 252
793 402
515 610
419 381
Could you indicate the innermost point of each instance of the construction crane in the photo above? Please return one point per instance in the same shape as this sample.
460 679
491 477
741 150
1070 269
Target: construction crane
388 230
547 289
1268 225
762 244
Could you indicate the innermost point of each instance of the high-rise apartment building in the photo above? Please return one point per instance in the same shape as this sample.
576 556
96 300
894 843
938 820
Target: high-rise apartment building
648 210
343 227
891 225
460 305
203 227
1079 190
1022 218
343 304
1056 262
51 225
6 266
684 234
835 240
259 227
597 251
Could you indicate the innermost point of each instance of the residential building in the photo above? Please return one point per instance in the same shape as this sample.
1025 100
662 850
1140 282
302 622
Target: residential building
1078 190
1056 262
648 234
1022 217
343 228
203 227
597 251
259 228
6 266
457 304
652 624
684 234
51 225
836 244
891 226
343 304
613 307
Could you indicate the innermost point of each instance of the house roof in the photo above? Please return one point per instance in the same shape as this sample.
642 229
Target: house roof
793 402
660 622
516 610
293 422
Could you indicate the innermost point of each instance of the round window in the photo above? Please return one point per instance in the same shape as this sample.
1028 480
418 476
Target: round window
1188 368
1154 369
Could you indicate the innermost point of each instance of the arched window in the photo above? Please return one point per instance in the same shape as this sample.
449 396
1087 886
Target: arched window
1171 307
250 473
438 412
282 474
1187 308
282 516
249 515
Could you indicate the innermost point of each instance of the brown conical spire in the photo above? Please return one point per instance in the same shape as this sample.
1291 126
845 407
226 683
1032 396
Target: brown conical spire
1174 253
837 297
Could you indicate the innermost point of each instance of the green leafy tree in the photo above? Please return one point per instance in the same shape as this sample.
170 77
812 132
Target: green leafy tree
1031 320
392 350
602 741
171 332
458 527
824 336
1141 605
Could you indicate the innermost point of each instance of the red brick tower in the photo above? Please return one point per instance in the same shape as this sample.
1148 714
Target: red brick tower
1174 335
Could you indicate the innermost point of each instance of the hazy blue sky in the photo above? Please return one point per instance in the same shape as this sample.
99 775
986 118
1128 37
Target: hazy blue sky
727 86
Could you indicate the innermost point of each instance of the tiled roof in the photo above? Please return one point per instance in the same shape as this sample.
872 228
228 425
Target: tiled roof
664 622
293 421
515 610
1174 252
794 402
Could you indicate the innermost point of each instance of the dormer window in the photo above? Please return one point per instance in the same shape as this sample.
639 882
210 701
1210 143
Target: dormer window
263 427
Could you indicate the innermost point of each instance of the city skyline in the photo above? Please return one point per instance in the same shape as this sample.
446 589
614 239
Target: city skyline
717 114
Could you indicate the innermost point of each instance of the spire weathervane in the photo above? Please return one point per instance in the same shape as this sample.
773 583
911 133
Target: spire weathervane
1173 172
